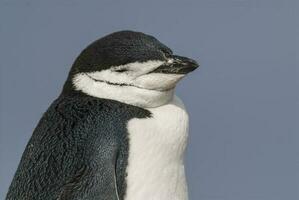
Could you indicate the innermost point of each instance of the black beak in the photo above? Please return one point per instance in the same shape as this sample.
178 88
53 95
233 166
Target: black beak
177 65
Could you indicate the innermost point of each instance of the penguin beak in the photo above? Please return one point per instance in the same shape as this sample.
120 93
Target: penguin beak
177 65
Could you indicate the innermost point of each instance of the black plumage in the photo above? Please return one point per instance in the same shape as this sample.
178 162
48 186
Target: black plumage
78 150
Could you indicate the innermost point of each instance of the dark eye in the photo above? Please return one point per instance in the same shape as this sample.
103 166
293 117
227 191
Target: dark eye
121 70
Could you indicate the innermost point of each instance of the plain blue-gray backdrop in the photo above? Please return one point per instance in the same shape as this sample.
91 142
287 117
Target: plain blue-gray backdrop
242 102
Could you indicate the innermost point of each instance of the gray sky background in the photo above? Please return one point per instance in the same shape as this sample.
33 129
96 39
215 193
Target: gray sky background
243 142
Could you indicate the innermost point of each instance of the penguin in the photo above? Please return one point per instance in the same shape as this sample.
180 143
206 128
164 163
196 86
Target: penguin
117 131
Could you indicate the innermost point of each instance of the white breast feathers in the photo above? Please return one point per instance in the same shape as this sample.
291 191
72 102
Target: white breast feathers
156 147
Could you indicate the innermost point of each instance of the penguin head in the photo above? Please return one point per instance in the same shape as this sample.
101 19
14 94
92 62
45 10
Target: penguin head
131 67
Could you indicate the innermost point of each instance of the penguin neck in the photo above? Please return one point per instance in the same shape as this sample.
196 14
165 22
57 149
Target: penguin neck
145 98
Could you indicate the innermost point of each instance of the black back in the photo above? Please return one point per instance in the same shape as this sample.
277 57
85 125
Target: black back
78 149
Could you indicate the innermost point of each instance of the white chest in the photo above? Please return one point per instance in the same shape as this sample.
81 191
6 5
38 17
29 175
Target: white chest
155 167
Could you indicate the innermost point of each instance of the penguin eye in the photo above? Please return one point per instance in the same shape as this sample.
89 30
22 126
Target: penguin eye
121 70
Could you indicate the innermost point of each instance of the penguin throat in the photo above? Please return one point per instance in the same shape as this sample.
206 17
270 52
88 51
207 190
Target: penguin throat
129 94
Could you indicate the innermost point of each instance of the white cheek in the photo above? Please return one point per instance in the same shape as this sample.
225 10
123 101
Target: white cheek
127 94
134 70
158 81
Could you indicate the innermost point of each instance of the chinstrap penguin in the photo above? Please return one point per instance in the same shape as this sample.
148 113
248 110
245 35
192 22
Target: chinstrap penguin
116 132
